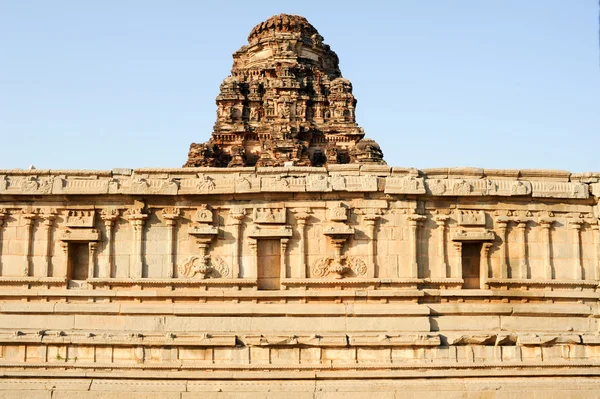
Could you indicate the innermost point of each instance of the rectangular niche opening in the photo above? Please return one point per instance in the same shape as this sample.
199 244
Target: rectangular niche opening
471 265
269 264
78 261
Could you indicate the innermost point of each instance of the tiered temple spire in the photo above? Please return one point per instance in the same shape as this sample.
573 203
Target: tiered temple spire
285 102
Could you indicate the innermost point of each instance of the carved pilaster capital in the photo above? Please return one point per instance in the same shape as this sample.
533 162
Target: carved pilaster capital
521 223
170 215
441 219
237 215
48 217
284 244
457 246
546 223
253 245
109 215
93 246
414 219
135 216
485 248
575 224
502 222
371 218
3 215
301 214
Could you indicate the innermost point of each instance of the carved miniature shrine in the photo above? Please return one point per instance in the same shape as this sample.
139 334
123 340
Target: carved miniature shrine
287 260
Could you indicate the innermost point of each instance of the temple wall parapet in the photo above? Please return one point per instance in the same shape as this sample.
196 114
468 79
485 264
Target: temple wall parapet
332 178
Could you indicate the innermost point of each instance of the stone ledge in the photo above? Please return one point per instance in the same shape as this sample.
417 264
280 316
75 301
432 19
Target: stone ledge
345 178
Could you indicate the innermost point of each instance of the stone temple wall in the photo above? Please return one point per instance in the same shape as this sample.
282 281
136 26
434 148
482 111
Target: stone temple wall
346 280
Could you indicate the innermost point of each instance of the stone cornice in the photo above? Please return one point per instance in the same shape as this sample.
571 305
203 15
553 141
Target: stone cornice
442 182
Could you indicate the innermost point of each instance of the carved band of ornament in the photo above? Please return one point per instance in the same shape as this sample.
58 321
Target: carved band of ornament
344 266
483 235
81 235
470 218
207 267
270 232
550 189
404 185
80 218
270 215
203 230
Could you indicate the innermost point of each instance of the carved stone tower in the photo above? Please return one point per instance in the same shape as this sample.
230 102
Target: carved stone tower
285 102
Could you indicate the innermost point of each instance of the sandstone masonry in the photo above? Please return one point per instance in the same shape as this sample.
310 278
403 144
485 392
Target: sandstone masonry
349 279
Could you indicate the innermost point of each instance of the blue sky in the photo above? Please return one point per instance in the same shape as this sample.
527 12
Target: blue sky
493 84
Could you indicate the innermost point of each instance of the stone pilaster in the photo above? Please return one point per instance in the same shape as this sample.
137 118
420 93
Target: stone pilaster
64 245
29 217
596 268
3 214
370 220
109 217
302 216
502 224
170 216
523 264
441 244
414 222
283 258
237 216
575 225
93 248
253 246
546 225
485 267
457 273
47 222
136 219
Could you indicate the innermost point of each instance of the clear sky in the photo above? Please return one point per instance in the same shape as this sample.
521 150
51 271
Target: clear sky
128 83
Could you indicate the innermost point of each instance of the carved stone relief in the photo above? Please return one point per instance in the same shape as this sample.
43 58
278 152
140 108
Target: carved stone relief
204 267
344 266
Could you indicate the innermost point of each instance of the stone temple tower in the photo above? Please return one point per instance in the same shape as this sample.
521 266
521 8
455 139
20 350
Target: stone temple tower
285 103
